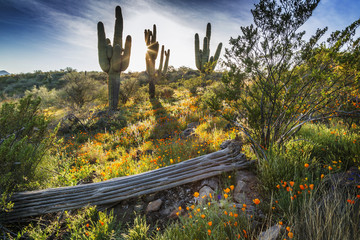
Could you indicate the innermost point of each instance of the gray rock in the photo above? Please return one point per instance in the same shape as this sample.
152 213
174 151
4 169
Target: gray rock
174 215
246 187
239 192
154 206
186 133
192 125
240 198
240 186
205 191
210 182
271 233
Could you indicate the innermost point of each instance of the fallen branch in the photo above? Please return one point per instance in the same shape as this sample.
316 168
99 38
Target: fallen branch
34 203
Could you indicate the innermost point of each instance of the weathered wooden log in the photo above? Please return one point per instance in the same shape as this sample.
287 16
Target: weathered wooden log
34 203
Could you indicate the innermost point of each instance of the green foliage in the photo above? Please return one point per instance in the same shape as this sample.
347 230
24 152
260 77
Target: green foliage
286 164
49 98
128 89
139 230
114 59
166 93
326 214
202 57
277 81
79 90
333 146
213 219
86 223
22 143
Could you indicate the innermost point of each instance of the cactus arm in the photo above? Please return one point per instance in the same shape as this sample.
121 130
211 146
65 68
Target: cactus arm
125 60
102 48
197 52
161 60
147 37
167 56
205 53
217 53
153 40
208 32
118 27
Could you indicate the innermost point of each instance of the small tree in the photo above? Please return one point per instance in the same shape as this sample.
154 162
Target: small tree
277 81
22 145
79 89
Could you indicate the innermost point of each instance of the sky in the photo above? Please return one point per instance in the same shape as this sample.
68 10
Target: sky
54 34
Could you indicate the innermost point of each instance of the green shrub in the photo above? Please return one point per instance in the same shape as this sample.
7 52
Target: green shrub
139 230
165 92
49 98
128 89
79 90
86 223
22 143
277 81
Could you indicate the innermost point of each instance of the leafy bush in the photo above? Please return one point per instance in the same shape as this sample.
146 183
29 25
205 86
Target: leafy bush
277 82
165 92
128 89
49 98
86 223
22 143
79 89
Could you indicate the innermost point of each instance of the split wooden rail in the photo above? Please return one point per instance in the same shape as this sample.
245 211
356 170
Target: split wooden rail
34 203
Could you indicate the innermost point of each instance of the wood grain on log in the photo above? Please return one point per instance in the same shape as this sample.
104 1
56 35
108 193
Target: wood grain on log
34 203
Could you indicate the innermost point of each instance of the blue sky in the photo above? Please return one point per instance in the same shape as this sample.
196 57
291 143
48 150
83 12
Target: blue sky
55 34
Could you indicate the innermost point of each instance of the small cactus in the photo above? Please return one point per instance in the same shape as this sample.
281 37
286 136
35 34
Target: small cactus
150 57
113 59
202 56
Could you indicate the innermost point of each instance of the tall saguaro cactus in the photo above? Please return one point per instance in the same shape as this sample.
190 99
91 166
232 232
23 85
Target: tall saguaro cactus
150 57
202 56
115 58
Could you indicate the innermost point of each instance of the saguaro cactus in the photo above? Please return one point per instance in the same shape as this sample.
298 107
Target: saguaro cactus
150 57
202 56
113 59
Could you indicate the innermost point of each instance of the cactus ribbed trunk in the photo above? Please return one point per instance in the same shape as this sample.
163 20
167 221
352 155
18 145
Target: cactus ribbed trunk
114 88
114 59
152 88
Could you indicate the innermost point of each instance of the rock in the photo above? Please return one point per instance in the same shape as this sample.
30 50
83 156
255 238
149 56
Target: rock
239 192
189 130
240 198
271 233
210 182
192 125
246 187
174 214
154 206
186 133
205 191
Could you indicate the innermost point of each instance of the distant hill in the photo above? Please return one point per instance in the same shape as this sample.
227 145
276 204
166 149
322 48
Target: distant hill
3 72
